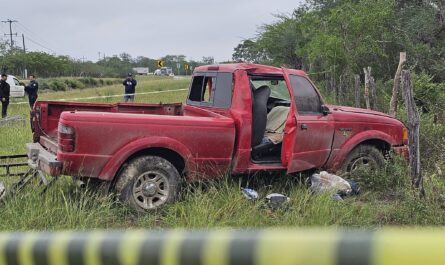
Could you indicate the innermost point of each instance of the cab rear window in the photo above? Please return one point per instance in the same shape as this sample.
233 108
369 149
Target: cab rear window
212 89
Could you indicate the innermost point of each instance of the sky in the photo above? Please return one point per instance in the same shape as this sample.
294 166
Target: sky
82 29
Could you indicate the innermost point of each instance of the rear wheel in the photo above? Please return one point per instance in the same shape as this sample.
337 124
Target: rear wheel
364 157
148 183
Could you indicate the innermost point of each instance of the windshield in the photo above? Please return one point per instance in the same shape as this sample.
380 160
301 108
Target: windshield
277 86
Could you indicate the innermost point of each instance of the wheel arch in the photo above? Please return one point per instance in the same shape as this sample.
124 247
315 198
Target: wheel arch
380 140
168 154
171 150
380 144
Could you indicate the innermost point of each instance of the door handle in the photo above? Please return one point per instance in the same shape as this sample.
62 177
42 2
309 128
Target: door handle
304 126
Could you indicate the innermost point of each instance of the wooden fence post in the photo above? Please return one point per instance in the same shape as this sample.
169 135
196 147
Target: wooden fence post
357 90
396 86
367 84
413 130
372 87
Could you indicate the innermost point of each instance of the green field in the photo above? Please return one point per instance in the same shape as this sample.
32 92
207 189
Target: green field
386 198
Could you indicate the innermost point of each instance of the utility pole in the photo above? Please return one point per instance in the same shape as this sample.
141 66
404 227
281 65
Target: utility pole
10 30
23 39
25 73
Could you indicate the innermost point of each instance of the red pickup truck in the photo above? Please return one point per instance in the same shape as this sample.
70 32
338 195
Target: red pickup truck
237 119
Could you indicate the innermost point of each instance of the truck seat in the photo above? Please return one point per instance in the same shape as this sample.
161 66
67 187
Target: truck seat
273 137
276 120
259 113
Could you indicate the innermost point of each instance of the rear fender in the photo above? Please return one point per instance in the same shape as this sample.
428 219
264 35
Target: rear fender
339 155
119 158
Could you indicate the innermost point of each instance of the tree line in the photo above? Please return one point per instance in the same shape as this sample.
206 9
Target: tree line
15 61
334 40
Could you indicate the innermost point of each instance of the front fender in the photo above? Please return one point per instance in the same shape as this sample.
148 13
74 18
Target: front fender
110 169
339 155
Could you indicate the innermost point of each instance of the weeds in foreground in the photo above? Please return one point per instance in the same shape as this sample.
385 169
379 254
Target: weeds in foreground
221 204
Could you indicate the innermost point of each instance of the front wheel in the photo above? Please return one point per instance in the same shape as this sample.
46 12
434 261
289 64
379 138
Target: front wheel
148 183
364 157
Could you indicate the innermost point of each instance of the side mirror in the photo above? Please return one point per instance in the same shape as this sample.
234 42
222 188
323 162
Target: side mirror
325 110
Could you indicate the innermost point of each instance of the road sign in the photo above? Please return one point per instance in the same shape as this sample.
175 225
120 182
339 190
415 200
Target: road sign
160 63
186 66
178 65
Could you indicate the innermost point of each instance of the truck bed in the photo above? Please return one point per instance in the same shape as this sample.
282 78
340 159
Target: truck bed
48 113
102 131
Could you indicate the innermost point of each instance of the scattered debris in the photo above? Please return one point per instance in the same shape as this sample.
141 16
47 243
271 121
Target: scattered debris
250 194
2 190
355 188
329 182
12 119
337 197
339 187
276 200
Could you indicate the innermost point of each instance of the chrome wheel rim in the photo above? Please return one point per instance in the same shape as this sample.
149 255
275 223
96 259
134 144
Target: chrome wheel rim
363 163
151 189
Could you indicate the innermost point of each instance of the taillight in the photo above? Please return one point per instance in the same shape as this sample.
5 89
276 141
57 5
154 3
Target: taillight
405 135
66 138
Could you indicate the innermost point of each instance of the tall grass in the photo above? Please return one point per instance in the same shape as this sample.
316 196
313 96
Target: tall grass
220 203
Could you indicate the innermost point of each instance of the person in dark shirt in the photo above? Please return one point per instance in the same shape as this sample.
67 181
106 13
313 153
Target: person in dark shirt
130 87
31 89
4 94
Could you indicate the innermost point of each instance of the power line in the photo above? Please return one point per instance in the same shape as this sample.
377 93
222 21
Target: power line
42 46
10 30
35 35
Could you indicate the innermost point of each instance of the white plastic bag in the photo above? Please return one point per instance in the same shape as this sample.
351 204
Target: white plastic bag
325 182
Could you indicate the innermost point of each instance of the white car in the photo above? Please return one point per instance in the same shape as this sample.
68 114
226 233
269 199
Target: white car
16 89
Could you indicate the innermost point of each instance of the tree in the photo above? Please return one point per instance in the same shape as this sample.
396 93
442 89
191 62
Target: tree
248 51
208 60
282 41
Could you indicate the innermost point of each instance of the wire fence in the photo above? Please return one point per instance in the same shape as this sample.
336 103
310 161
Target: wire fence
106 96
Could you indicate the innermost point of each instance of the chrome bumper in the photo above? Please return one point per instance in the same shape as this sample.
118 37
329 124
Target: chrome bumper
41 159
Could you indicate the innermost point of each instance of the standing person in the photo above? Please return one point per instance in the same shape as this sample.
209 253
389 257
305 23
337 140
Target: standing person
4 94
130 87
31 89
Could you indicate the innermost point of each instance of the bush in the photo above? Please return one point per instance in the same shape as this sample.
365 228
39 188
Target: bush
74 84
57 85
89 81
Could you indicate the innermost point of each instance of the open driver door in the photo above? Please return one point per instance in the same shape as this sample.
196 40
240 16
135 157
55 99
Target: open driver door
309 129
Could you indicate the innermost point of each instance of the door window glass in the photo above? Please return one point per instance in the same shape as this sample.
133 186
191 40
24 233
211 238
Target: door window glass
307 99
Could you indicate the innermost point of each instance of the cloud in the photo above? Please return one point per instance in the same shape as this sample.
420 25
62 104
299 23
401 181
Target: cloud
194 28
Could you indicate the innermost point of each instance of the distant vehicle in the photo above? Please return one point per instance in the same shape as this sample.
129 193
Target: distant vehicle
17 89
141 70
167 71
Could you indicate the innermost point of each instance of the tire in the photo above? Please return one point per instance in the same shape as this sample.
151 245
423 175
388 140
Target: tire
365 157
148 183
